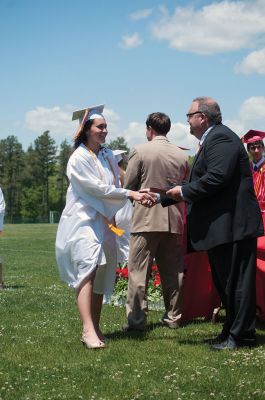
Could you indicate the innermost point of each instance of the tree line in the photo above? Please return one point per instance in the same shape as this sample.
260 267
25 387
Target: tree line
34 181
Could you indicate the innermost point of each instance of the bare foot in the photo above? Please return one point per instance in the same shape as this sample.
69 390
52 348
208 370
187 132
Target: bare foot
101 336
91 340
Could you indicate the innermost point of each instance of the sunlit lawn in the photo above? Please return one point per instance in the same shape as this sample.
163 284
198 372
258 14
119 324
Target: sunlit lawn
42 357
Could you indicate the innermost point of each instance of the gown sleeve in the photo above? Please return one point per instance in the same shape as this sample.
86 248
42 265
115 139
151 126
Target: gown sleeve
106 199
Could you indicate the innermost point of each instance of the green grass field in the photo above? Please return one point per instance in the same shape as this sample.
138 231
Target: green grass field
42 357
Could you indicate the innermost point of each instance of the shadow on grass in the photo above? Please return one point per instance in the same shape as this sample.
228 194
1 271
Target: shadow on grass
199 321
260 340
11 287
144 335
207 341
260 325
199 339
139 335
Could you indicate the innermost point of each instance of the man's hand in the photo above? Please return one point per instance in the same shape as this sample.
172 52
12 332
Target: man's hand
147 199
150 203
152 194
175 193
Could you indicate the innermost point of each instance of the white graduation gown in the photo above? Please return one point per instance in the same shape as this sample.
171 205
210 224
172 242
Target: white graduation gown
83 238
123 220
2 209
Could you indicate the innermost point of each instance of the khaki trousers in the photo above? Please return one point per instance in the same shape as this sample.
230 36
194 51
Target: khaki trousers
166 248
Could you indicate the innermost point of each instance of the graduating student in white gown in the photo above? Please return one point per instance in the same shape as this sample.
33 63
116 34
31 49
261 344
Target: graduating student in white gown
85 245
2 213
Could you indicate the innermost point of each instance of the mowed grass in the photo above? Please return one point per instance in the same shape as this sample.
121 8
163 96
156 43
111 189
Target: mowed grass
42 357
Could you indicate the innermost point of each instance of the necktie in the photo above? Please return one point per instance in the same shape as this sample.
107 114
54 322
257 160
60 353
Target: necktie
255 168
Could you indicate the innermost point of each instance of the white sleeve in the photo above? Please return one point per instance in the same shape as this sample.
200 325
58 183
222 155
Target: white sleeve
106 199
2 209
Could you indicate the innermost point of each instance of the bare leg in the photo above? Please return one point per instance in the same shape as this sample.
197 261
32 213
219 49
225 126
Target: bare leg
97 300
84 304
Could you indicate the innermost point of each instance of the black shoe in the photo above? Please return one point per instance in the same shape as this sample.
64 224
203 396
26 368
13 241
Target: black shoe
247 342
131 328
228 344
218 339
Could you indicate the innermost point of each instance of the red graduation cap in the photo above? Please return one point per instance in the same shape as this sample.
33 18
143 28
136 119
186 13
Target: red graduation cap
253 136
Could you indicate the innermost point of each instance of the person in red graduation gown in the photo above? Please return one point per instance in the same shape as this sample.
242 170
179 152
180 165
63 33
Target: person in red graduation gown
255 148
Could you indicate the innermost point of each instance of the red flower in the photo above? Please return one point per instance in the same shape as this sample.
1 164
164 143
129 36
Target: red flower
122 272
157 281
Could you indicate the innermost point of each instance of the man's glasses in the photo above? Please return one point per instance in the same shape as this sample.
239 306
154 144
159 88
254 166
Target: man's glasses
196 112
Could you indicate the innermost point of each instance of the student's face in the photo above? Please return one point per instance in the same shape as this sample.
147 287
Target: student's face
98 131
256 151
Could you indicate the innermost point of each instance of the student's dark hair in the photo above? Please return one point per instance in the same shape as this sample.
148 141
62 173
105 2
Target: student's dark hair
160 122
255 143
81 137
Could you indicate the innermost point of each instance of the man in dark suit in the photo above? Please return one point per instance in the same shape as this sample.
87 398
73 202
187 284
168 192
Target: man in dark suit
223 217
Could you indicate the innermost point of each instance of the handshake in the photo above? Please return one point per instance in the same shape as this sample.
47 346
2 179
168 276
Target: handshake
144 197
149 197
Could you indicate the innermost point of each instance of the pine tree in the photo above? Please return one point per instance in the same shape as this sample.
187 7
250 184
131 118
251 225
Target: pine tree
45 149
12 166
119 144
62 181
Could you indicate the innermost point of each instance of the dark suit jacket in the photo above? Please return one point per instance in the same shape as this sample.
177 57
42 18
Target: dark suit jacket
221 203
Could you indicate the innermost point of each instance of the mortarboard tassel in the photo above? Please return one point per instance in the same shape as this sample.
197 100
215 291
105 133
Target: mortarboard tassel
117 231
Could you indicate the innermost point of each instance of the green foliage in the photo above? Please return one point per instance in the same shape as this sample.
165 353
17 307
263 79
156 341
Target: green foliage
190 160
34 181
45 150
119 144
61 178
121 287
154 289
154 293
42 357
31 204
12 163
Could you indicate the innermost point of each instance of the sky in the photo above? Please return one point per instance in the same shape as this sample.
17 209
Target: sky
136 57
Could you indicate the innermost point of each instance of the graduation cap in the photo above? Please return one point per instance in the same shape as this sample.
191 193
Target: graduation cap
253 136
84 115
89 113
118 154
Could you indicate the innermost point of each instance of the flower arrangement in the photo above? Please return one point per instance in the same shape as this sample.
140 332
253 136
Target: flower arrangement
154 289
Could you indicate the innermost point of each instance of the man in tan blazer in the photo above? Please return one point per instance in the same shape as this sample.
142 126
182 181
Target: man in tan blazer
155 232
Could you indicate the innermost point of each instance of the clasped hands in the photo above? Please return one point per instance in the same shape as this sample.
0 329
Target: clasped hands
174 193
148 198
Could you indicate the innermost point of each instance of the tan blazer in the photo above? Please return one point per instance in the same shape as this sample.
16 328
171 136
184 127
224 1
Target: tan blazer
159 164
